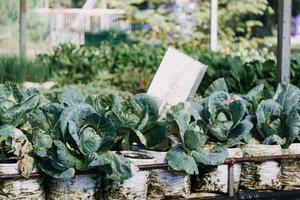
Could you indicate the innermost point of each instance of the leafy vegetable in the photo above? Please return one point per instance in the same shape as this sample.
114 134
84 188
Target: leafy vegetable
73 138
192 149
276 120
15 144
224 115
135 121
16 106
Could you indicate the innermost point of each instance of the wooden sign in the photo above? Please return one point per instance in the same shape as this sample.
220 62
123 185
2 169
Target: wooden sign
177 79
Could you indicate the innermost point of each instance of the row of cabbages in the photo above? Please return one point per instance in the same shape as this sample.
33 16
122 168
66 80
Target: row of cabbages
222 125
67 133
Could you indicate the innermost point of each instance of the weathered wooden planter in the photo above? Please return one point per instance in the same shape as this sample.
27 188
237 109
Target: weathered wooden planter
214 179
32 188
291 169
79 187
263 175
164 183
135 187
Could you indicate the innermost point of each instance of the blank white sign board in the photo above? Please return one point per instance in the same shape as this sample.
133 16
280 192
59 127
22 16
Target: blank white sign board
176 79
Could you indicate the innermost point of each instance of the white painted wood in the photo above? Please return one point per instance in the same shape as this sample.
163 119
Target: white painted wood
136 187
216 179
177 79
214 25
78 187
291 169
165 184
44 86
32 188
261 176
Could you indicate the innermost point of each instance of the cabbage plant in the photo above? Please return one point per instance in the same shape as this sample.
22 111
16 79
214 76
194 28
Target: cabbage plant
16 106
135 120
73 138
276 120
224 115
192 148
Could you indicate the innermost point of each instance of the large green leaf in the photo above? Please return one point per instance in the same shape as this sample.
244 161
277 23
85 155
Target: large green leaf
156 137
287 96
217 85
293 125
239 132
46 118
65 157
178 160
188 111
237 110
15 107
71 97
268 116
254 97
150 108
76 113
193 138
215 155
59 174
115 166
90 141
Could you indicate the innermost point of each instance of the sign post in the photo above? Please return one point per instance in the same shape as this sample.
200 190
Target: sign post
177 79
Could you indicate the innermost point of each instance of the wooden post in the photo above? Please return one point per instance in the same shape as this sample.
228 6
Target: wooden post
104 4
284 41
46 3
214 25
22 29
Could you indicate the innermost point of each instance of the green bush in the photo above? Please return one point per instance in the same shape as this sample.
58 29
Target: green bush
131 67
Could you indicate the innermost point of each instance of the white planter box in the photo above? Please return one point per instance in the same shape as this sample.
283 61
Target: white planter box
79 187
164 183
215 178
32 188
291 169
137 186
264 175
133 188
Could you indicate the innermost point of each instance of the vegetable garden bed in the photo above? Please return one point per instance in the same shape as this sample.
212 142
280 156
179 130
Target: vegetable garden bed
108 147
147 167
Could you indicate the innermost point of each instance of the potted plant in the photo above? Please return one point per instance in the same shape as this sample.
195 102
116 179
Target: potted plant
193 148
288 96
224 123
71 138
269 117
136 121
15 146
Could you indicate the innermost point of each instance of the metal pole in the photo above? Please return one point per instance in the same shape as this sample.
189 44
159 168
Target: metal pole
22 29
214 25
284 41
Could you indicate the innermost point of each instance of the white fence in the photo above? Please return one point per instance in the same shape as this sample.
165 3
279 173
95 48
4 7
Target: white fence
69 25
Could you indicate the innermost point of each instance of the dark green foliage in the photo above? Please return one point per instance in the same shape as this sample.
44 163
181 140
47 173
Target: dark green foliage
131 66
15 69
